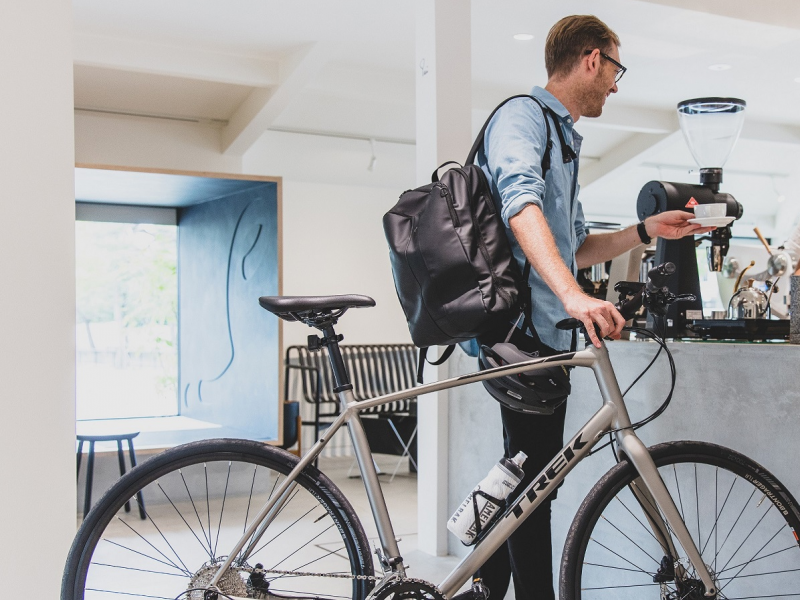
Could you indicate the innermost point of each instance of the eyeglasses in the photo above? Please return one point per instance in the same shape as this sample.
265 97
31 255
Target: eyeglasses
620 69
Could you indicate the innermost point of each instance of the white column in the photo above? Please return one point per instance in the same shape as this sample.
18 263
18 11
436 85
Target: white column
37 297
443 67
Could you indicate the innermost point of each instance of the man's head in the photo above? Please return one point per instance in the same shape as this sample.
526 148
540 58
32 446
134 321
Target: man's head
582 55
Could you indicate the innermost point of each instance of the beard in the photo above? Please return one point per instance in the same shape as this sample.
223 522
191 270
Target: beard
593 98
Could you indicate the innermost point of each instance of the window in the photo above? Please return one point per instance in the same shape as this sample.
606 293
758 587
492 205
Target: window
126 322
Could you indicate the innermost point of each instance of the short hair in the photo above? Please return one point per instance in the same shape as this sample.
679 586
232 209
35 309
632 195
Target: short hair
571 37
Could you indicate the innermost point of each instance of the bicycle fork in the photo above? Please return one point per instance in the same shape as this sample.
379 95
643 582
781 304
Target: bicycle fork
656 501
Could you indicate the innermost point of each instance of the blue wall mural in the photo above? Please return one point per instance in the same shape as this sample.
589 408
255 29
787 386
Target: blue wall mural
228 257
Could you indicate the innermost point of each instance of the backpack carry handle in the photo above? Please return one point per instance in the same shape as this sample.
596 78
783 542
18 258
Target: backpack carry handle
435 174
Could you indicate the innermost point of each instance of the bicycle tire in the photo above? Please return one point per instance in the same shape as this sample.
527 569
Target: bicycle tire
746 522
199 498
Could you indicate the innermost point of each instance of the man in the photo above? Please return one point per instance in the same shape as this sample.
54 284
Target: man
545 224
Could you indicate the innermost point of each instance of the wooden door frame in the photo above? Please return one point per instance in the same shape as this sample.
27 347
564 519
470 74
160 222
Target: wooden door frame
240 177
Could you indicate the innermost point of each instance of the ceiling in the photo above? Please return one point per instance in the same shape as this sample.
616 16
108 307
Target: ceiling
346 68
140 188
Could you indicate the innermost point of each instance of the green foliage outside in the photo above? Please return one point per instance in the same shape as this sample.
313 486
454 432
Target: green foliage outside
127 314
126 271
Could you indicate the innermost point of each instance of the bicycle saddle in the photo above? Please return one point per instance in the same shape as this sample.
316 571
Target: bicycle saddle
299 308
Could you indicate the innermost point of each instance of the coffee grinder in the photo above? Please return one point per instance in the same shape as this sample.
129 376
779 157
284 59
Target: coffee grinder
711 127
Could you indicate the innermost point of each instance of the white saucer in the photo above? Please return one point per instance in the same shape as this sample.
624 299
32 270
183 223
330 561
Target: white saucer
712 221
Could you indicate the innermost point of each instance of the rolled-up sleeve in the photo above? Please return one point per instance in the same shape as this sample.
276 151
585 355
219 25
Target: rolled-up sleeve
514 144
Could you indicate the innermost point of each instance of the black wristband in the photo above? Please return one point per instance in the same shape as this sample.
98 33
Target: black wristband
643 233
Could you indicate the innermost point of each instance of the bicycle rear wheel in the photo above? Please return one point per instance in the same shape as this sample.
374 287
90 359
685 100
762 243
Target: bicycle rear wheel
199 500
743 521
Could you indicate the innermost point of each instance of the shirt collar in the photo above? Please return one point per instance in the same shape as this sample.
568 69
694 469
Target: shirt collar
552 103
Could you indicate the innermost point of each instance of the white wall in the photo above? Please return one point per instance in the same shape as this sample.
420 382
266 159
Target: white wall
37 303
333 243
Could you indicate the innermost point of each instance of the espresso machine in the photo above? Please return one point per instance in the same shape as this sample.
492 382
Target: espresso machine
711 127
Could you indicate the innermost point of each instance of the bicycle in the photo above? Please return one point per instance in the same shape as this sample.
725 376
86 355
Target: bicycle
680 520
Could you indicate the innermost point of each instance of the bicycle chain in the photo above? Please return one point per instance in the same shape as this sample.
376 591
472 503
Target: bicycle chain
329 575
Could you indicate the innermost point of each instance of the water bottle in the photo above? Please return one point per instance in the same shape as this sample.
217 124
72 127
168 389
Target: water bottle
486 499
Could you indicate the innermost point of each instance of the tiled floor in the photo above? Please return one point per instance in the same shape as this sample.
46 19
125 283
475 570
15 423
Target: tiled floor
401 498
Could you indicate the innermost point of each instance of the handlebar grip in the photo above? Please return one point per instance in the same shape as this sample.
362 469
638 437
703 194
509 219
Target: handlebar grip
657 276
568 324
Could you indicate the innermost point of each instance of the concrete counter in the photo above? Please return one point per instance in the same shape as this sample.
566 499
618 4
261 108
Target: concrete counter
744 396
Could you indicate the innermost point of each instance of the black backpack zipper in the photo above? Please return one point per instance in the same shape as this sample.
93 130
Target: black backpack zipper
445 193
485 250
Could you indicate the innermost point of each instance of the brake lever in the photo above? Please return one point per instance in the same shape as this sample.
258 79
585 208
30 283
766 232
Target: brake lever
685 298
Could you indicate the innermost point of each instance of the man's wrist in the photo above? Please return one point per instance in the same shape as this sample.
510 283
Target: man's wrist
644 234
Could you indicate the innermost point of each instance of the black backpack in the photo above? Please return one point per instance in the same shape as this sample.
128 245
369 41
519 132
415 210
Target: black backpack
454 272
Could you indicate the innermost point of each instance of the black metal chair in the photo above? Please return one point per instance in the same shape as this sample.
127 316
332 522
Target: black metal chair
92 439
375 370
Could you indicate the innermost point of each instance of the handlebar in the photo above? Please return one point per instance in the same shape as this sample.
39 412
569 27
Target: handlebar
652 294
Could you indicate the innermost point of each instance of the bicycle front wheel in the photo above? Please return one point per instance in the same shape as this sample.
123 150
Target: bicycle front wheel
742 520
199 500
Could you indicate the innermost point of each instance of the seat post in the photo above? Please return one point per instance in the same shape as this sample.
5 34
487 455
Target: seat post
340 375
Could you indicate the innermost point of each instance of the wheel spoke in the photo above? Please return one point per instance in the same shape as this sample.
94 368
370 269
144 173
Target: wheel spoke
197 514
678 487
168 563
718 513
289 526
128 594
303 566
208 511
149 543
638 568
760 558
180 514
761 520
697 502
645 527
655 560
99 564
285 558
222 509
163 537
746 564
734 524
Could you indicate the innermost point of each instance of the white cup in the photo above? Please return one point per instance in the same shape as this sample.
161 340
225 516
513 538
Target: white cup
705 211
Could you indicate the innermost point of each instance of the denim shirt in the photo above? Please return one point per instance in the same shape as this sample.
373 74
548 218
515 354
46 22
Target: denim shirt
511 158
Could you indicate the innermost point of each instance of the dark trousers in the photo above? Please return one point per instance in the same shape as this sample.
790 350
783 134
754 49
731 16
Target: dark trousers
528 554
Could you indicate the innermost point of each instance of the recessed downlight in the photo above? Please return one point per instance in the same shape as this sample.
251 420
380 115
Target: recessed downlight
719 67
523 37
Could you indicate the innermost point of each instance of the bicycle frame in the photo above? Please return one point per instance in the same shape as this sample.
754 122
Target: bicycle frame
613 416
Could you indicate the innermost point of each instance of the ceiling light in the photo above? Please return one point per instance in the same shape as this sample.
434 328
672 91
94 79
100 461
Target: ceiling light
719 67
523 37
797 79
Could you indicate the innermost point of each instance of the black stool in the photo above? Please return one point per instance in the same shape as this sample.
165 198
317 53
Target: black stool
87 501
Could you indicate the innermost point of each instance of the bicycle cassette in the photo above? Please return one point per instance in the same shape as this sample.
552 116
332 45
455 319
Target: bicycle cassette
408 589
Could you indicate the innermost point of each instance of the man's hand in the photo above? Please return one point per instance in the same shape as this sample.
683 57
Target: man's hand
673 225
591 311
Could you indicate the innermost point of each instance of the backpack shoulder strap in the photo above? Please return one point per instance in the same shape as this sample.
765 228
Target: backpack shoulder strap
567 152
479 139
